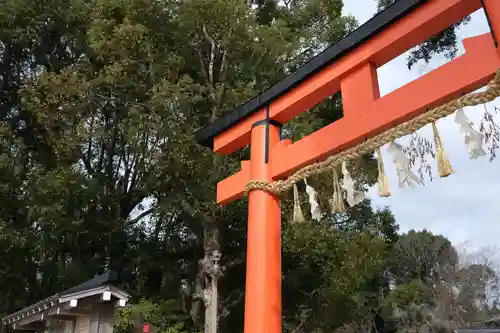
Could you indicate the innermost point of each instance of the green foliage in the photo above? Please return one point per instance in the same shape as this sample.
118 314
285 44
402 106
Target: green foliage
164 316
408 294
409 304
423 255
327 268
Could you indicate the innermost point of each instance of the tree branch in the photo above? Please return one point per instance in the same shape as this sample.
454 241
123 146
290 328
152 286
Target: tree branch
140 217
212 55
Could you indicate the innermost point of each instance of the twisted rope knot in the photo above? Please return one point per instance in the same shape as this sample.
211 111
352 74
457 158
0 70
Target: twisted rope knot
263 185
281 186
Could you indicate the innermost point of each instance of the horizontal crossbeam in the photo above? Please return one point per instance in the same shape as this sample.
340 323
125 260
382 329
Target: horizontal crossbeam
368 115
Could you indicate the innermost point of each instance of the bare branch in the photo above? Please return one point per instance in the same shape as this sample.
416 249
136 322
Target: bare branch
212 55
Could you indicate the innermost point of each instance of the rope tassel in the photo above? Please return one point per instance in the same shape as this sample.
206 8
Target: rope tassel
298 215
383 182
337 200
444 165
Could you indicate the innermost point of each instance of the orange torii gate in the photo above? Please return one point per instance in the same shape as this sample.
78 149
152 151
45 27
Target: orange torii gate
348 66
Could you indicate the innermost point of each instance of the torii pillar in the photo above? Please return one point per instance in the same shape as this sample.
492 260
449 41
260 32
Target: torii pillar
348 66
264 237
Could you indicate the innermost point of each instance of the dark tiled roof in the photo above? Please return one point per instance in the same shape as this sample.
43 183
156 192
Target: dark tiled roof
109 277
97 281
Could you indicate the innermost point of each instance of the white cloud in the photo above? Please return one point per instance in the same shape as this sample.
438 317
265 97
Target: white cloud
464 207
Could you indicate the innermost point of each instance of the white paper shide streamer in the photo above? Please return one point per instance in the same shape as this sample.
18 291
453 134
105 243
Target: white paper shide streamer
353 196
311 193
406 177
473 139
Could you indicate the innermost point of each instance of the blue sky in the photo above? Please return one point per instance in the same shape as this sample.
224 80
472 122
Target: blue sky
464 207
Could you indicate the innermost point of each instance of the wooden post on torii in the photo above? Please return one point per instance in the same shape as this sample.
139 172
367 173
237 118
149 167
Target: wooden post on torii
348 66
